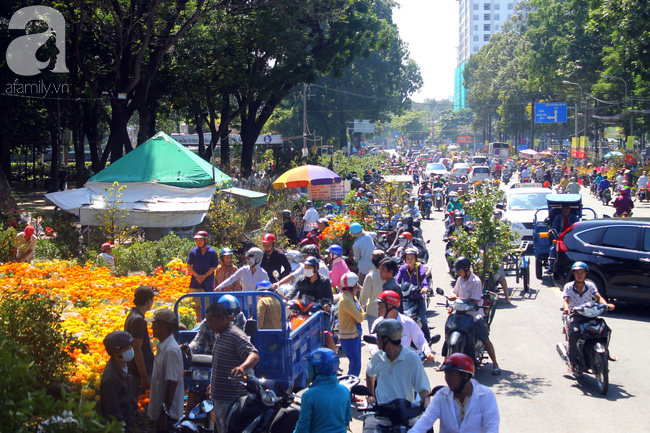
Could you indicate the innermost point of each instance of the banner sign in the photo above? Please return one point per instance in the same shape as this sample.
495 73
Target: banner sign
574 147
582 151
336 191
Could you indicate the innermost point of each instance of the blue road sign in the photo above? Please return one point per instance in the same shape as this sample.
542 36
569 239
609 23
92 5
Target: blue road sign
550 112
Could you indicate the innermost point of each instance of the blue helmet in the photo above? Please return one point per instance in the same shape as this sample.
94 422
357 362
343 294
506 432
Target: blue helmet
264 285
231 303
328 206
225 252
355 228
323 361
579 265
336 250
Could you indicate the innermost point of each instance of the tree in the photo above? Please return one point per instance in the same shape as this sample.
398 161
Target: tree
452 123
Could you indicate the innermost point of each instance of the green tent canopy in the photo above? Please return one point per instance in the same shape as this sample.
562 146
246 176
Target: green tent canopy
161 159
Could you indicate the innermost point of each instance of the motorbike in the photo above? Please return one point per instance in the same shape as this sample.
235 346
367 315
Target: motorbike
412 298
427 202
642 194
459 328
626 214
397 415
606 196
505 177
438 198
301 309
268 408
592 344
197 420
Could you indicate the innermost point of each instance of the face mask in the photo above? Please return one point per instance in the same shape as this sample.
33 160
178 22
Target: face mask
454 199
128 355
309 273
403 242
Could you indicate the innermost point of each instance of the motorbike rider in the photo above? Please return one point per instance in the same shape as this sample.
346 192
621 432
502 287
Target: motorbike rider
274 262
454 203
289 227
415 273
396 371
602 186
498 168
404 241
642 182
411 208
478 406
388 303
525 173
576 293
248 275
325 406
623 203
339 267
564 182
469 288
350 317
306 251
451 233
573 187
438 183
425 188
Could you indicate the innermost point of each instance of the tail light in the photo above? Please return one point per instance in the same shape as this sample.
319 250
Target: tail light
560 245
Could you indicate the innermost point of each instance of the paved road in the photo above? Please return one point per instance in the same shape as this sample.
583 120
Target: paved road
534 391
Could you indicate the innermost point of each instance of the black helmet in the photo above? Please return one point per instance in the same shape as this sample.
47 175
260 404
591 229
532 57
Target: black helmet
117 340
390 328
416 223
407 219
461 263
310 250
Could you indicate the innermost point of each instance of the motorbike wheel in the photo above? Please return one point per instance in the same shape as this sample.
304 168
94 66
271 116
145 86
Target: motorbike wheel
539 268
601 371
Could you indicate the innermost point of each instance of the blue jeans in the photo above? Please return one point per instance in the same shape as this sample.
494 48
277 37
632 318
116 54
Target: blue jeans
352 349
423 320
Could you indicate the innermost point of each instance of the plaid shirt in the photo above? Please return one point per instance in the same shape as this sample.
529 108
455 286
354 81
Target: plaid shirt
224 272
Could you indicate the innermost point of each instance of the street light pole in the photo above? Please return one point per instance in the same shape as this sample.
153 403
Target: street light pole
576 119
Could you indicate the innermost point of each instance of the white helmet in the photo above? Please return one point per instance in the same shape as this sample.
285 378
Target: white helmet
256 255
349 280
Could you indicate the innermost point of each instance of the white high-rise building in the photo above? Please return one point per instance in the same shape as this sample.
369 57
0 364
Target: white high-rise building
478 20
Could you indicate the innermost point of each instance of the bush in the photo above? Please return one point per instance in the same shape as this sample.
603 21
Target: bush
25 405
33 323
66 234
47 249
147 256
8 242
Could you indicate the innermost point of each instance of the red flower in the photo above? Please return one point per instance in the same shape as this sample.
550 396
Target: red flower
49 230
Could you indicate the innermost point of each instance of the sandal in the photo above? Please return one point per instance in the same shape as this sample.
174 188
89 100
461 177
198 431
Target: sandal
496 372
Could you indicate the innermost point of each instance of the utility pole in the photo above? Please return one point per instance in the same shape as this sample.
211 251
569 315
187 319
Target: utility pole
304 118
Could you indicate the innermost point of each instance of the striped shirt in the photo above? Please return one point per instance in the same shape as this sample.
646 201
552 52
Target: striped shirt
230 350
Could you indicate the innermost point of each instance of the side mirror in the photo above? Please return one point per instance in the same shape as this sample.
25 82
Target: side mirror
370 339
429 241
360 390
250 328
440 291
435 339
501 206
547 221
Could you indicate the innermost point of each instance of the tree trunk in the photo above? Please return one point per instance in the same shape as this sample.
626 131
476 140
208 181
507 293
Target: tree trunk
147 113
224 131
79 155
248 139
199 131
6 199
118 136
54 168
343 130
90 121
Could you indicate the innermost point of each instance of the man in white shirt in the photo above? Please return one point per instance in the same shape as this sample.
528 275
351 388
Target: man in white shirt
464 405
167 376
643 180
306 251
470 288
25 249
525 174
397 372
311 217
249 275
387 304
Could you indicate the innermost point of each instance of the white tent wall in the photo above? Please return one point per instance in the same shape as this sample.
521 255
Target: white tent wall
147 204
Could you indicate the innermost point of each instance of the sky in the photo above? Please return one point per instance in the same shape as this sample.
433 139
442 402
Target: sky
430 28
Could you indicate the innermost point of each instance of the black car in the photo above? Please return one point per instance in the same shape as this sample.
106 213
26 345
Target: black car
617 251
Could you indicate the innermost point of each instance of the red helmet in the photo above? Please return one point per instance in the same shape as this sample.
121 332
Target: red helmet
389 297
458 362
268 238
407 235
202 234
29 231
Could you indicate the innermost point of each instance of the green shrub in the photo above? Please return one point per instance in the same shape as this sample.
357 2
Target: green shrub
25 405
33 323
146 256
8 242
47 249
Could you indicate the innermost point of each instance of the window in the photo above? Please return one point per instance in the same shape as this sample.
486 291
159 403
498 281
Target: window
486 27
476 27
475 49
475 38
496 17
497 6
475 17
486 17
497 28
646 240
620 237
509 6
475 6
486 38
486 6
591 236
